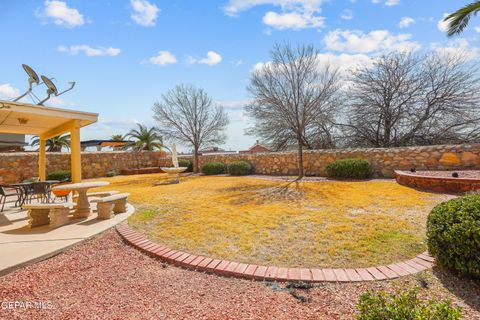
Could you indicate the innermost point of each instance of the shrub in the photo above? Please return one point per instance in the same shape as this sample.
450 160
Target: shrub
453 235
111 173
213 168
186 163
349 169
403 305
239 168
62 175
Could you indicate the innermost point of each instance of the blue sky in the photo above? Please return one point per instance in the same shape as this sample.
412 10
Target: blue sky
124 54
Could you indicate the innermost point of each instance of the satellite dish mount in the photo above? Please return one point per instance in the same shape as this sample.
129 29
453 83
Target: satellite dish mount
52 89
32 78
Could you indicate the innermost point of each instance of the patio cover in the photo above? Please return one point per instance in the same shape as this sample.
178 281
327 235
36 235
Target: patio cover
46 123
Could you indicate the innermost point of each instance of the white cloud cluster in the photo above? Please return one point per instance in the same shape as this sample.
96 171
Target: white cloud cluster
388 3
60 14
405 22
144 13
211 59
357 41
89 51
294 14
8 92
346 14
459 47
163 58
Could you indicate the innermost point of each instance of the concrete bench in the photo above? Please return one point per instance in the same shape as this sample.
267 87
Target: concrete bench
53 214
108 206
99 194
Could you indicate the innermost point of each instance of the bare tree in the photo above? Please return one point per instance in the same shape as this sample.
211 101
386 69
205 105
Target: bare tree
188 116
293 99
405 99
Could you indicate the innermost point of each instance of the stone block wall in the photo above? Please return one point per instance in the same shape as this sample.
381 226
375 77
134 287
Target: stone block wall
15 167
383 160
19 166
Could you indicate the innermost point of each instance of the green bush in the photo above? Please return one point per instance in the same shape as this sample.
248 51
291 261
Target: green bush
349 169
405 306
62 175
213 168
453 235
111 173
186 163
239 168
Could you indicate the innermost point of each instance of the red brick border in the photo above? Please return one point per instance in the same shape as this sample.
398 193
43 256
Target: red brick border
271 273
436 183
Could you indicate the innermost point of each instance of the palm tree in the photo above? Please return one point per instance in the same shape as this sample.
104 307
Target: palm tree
144 138
458 20
54 144
117 137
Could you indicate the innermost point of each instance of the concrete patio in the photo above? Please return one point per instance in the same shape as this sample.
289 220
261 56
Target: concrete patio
20 245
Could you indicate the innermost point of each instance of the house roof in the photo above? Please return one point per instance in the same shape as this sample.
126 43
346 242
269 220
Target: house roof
25 118
103 143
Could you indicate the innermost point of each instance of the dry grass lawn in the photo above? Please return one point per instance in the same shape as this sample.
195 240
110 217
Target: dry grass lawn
309 224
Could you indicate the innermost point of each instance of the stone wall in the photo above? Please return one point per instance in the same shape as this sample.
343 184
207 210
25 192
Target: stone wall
19 166
16 167
383 160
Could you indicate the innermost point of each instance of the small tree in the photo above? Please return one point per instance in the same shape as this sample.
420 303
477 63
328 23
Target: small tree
144 138
54 144
188 116
293 98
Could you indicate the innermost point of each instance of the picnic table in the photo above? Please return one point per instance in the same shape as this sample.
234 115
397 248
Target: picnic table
27 189
83 205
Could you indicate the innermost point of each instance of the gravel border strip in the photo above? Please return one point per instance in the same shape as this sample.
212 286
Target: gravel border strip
272 273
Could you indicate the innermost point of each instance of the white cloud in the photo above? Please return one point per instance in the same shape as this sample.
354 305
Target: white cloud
294 14
60 14
459 47
8 92
406 22
211 59
90 51
388 3
292 20
144 13
347 14
443 25
377 40
477 29
233 104
163 58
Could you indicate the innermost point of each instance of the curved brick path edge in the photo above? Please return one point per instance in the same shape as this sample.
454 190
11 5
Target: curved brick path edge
271 273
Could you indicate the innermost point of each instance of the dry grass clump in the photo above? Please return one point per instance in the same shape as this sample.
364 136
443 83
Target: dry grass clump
335 224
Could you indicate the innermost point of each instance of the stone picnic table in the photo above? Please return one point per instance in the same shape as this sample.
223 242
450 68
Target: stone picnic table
83 205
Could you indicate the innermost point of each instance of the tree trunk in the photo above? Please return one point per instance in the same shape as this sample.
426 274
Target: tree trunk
195 161
300 160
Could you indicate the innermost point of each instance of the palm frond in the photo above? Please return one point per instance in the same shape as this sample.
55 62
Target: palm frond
458 20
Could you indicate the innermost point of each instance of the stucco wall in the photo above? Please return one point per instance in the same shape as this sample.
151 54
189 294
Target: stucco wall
18 166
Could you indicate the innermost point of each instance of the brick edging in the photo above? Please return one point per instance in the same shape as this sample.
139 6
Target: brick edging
271 273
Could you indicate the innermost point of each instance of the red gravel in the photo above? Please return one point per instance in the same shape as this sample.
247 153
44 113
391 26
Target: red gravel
470 174
103 278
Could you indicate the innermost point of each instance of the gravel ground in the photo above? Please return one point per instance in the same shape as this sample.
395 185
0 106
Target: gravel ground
103 278
470 174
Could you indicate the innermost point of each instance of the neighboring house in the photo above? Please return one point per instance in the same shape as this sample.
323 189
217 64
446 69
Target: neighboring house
100 144
12 142
256 148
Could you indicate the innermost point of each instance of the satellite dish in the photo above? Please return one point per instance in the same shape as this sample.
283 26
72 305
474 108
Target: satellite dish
32 78
52 89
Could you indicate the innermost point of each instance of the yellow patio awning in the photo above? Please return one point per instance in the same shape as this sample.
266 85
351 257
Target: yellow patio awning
46 122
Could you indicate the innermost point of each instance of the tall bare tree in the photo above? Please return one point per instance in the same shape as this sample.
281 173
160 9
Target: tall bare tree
293 98
188 116
406 99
